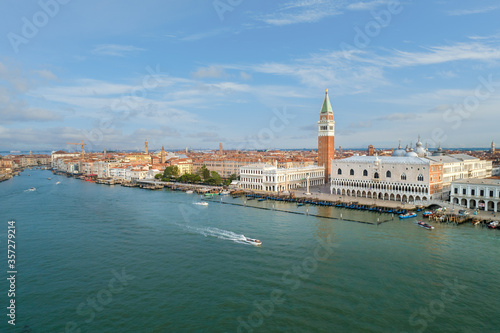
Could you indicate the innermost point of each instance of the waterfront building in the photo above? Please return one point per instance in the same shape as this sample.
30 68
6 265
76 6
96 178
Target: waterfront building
462 166
326 137
61 154
270 178
404 179
483 194
185 165
492 149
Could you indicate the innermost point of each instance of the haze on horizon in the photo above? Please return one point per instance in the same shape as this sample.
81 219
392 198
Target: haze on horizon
250 74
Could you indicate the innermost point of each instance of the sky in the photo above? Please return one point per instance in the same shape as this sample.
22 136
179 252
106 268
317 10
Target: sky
248 74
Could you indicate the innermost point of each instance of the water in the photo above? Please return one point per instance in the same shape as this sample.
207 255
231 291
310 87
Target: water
112 259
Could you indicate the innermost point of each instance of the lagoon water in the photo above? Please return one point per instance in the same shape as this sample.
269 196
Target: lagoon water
97 258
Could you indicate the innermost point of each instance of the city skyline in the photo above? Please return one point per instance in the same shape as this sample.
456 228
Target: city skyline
251 75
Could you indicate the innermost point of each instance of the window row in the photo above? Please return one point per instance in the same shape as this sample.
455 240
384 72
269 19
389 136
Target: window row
376 175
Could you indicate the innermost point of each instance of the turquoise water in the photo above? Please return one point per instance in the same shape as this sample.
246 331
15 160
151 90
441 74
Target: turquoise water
99 258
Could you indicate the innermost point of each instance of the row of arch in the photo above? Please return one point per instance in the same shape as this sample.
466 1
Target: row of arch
421 189
376 175
492 206
379 195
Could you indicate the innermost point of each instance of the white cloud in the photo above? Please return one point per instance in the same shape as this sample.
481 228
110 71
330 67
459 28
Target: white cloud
46 74
368 5
209 72
461 12
302 11
115 50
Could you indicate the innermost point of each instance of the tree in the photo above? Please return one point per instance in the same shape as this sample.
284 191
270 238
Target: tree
175 171
171 171
158 176
204 172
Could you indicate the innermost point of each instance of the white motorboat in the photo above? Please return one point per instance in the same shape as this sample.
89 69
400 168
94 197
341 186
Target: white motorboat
189 192
253 241
202 203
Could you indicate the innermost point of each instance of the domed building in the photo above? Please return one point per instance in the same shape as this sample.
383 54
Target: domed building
400 152
411 153
439 151
420 150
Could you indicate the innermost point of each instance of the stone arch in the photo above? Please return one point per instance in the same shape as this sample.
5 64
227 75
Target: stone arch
472 203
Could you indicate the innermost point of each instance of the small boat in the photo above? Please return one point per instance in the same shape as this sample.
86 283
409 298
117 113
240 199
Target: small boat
32 189
407 215
189 192
58 183
49 178
261 199
300 204
494 225
203 203
224 193
253 241
425 225
235 197
427 214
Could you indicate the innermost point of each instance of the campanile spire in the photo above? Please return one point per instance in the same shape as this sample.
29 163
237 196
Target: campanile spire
326 137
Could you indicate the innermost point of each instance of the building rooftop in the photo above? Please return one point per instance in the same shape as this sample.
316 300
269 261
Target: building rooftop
451 158
472 181
385 159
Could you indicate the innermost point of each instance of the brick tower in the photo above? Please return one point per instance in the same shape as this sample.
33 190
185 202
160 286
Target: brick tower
326 136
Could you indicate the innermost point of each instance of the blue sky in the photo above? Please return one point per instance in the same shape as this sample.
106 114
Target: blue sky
249 74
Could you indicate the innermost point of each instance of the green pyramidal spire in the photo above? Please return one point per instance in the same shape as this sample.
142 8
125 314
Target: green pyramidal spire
327 107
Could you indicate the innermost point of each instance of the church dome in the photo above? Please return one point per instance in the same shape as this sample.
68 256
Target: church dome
420 150
400 152
411 154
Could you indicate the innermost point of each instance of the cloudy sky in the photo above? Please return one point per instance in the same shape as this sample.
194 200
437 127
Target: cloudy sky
249 74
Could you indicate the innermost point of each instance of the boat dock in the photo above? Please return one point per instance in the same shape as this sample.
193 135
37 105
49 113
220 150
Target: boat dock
306 213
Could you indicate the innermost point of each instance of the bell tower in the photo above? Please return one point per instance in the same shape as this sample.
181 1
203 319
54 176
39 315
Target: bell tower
326 137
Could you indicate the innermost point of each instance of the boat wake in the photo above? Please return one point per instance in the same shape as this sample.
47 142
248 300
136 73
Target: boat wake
220 234
30 190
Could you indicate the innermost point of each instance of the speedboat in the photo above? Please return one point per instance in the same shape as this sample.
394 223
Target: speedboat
253 241
58 183
32 189
494 225
189 192
427 214
202 203
425 225
407 215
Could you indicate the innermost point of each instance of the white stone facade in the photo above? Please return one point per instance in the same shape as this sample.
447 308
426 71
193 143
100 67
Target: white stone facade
404 179
269 178
483 194
462 166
